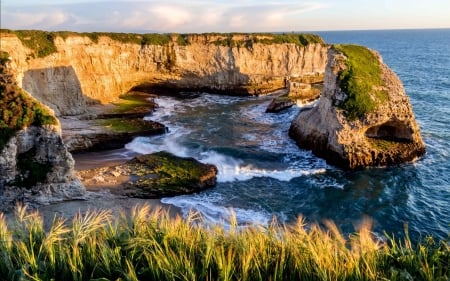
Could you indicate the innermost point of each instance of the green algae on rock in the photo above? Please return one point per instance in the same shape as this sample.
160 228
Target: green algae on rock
152 176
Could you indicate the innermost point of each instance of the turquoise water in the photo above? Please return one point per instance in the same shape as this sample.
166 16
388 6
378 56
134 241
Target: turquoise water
262 173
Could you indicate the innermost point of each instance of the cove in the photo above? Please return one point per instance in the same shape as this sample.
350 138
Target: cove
263 174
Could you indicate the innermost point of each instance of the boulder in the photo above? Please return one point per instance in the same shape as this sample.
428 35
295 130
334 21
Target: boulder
363 117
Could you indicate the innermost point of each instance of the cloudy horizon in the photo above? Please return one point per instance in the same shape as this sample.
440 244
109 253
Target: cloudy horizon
222 16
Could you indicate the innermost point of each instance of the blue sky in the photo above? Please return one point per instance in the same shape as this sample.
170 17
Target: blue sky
223 15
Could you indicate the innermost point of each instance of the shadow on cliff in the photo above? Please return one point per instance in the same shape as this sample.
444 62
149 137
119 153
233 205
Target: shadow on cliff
228 82
59 88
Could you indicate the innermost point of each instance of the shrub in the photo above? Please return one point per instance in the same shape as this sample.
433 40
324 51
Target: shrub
182 40
155 39
41 42
18 110
4 57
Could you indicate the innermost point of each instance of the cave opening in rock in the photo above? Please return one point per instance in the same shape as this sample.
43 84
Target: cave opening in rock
391 131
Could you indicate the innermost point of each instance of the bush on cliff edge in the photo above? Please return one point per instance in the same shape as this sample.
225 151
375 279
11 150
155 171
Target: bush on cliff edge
17 109
360 81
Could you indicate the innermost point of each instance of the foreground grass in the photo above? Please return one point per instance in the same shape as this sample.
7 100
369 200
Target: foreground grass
148 245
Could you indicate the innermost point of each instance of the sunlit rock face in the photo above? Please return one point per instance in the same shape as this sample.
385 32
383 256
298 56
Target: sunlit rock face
35 166
82 72
388 135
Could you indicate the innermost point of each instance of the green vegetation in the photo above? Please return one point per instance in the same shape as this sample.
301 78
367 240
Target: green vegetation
18 110
182 39
156 39
360 81
128 125
42 42
4 57
173 172
31 171
148 245
294 38
133 102
266 38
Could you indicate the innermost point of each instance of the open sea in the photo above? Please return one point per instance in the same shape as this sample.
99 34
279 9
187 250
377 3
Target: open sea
262 173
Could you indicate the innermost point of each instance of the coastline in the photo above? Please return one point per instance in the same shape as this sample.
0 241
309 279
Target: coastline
102 197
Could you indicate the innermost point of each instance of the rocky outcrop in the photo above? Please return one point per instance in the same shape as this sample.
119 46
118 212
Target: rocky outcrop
385 135
35 166
152 176
101 134
301 94
279 104
83 71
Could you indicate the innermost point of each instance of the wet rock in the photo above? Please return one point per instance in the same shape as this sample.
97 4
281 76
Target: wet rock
279 104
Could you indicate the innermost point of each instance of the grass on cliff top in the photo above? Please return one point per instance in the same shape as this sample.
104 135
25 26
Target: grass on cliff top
42 42
360 80
149 245
18 110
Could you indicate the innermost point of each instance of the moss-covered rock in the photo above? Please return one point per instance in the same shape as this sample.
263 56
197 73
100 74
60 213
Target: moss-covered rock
152 176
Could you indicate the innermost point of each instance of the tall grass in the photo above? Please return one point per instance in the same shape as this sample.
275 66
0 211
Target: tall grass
149 245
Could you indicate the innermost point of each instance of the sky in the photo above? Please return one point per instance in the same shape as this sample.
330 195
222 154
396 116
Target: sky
197 16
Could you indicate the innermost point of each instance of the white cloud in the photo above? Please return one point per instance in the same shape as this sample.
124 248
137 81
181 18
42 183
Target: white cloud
170 17
158 15
29 20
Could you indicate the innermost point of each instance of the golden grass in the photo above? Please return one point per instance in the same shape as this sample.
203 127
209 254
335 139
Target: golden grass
149 245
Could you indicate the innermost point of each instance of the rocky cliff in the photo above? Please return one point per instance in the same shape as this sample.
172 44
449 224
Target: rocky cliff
363 117
34 163
82 69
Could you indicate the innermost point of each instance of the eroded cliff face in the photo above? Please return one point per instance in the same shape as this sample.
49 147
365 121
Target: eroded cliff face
35 166
388 135
81 71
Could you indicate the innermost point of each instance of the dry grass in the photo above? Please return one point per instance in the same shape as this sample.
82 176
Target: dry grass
149 245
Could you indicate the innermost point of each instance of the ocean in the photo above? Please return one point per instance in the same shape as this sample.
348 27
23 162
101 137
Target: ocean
263 174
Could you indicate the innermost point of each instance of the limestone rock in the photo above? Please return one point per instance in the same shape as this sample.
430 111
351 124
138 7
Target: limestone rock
35 166
280 103
385 136
94 135
84 72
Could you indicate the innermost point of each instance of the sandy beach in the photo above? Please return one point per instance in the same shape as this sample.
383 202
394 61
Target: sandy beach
101 197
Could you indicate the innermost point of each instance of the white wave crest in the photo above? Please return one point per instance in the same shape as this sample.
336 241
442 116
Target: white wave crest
212 212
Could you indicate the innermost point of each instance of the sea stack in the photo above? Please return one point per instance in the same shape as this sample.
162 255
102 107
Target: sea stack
363 117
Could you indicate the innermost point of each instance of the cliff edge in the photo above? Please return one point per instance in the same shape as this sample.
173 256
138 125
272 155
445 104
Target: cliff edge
68 71
363 117
35 166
